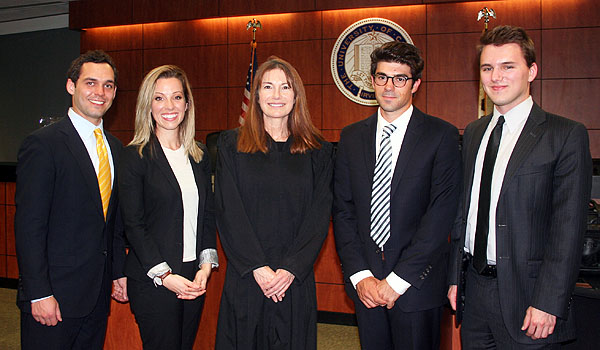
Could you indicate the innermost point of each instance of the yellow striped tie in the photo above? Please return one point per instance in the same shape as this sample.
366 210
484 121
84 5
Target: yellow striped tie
104 181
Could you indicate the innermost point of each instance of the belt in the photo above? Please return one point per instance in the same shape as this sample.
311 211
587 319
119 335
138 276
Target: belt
488 270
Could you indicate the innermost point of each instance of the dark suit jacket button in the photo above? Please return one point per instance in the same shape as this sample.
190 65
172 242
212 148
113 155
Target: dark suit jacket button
378 251
104 252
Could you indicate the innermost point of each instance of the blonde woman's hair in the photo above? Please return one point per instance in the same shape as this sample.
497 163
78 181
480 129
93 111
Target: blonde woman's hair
144 123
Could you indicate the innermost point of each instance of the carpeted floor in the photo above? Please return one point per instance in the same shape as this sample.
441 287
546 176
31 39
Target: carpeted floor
329 337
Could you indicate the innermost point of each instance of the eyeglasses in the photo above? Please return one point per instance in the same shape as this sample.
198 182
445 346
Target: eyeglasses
399 81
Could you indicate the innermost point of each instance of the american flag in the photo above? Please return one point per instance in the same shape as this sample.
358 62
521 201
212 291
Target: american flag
249 78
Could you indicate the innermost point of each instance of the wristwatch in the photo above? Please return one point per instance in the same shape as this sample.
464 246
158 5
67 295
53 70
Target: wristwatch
158 280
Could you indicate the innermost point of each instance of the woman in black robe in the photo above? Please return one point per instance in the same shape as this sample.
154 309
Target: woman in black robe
273 201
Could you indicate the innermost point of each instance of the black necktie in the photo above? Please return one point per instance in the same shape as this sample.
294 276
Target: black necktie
485 187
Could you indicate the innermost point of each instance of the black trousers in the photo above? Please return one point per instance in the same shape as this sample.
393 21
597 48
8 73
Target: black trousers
165 322
394 329
482 324
84 333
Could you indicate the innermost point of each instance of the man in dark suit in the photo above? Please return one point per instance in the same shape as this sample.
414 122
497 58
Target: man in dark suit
67 224
517 244
396 191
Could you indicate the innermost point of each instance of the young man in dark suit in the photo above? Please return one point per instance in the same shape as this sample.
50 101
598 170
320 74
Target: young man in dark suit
396 191
68 229
517 244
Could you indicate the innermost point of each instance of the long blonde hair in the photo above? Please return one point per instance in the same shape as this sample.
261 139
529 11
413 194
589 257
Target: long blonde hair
144 123
252 135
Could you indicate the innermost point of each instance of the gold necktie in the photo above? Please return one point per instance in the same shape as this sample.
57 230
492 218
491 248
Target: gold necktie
104 180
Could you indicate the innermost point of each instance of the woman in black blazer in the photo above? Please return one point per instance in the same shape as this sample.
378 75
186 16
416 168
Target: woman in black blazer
167 207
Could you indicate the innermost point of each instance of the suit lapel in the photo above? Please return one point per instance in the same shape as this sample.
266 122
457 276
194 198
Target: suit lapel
164 166
413 133
532 131
471 151
368 139
82 157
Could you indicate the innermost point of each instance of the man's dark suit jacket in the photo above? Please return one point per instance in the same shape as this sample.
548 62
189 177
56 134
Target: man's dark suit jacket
540 220
153 209
424 197
64 245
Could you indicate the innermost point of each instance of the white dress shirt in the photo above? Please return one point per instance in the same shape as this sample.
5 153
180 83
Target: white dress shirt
398 284
515 121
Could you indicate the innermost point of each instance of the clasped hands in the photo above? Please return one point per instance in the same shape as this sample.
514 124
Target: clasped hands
186 289
373 292
273 284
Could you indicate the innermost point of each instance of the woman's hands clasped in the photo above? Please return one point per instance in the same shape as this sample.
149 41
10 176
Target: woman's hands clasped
273 284
186 289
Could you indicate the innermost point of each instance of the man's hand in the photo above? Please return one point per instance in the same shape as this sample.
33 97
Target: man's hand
120 290
452 296
367 292
387 293
539 324
46 311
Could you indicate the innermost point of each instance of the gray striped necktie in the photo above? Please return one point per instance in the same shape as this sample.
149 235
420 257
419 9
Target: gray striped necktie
380 195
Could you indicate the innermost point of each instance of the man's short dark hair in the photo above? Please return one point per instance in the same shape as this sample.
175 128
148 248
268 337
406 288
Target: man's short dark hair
502 35
399 52
93 56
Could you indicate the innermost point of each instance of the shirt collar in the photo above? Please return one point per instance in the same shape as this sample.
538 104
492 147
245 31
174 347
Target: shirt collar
84 127
400 122
516 116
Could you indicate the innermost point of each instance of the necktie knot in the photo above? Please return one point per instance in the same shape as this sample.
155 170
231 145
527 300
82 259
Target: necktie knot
388 130
98 133
500 121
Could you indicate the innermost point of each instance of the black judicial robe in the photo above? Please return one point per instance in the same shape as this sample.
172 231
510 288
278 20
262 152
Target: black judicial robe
272 210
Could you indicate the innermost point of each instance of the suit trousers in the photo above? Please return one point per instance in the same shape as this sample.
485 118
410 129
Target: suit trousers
482 324
83 333
165 322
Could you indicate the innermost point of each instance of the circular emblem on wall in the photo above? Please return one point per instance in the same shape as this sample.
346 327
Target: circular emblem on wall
351 56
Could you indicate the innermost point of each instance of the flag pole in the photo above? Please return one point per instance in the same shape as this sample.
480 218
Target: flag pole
484 105
255 25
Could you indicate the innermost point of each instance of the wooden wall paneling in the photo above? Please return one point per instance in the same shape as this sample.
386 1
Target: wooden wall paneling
411 18
315 104
3 273
453 101
594 135
331 135
205 338
88 14
211 108
452 57
12 268
129 65
201 135
420 97
462 17
145 11
121 115
3 238
574 13
573 98
351 4
127 37
10 230
333 298
450 336
193 60
281 27
10 189
571 53
185 33
2 192
305 56
339 111
326 51
234 106
246 7
125 136
536 91
122 331
327 266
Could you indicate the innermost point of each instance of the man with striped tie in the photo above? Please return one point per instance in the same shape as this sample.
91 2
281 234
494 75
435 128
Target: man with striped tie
396 192
67 225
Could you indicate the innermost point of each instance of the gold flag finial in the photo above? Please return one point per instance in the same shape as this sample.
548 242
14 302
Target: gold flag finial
255 25
486 13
